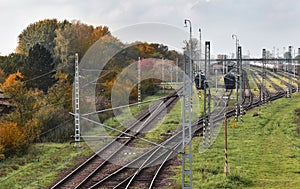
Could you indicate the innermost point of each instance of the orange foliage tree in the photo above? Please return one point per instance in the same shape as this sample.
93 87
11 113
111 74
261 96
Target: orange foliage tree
19 128
11 140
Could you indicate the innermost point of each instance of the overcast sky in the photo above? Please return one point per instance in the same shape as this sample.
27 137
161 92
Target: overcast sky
257 23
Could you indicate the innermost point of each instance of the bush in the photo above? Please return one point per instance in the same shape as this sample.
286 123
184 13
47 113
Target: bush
12 139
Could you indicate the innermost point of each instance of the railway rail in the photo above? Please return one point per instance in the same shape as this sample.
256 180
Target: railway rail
80 177
138 172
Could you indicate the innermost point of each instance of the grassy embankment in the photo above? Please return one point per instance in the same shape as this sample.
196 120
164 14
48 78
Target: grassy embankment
40 166
264 151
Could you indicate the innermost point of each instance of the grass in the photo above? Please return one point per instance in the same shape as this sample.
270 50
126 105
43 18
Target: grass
264 151
172 120
40 166
277 82
169 123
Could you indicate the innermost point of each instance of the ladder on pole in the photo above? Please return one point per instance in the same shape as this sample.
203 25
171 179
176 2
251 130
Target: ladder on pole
187 177
139 83
77 106
241 111
207 130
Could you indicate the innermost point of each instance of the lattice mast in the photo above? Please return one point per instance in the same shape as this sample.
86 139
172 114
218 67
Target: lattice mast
263 83
187 176
241 82
77 103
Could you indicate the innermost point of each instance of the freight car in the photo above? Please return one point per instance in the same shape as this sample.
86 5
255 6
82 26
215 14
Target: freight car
229 81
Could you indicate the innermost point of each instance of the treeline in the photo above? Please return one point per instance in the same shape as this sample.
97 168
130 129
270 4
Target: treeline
37 80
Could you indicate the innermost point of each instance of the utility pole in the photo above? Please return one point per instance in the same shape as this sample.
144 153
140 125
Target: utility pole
207 59
216 75
187 175
176 70
241 81
77 104
207 97
289 75
200 56
298 63
226 168
163 74
171 74
237 78
263 83
139 83
200 48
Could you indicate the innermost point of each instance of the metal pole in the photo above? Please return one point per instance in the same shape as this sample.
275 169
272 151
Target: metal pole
77 103
241 81
205 98
200 49
223 65
226 65
187 176
199 65
209 128
139 83
177 70
216 74
237 79
171 73
163 74
289 75
207 95
263 84
226 168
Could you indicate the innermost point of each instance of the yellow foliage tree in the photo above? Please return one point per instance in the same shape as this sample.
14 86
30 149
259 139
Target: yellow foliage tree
12 139
12 79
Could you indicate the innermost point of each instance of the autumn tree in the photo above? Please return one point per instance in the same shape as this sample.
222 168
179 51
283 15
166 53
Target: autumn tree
20 126
56 111
72 38
24 101
11 140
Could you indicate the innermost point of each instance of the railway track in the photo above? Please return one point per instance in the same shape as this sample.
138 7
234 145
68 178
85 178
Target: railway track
140 172
113 151
146 175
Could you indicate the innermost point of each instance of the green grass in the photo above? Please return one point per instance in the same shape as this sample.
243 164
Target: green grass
277 82
286 79
253 86
264 151
40 166
169 123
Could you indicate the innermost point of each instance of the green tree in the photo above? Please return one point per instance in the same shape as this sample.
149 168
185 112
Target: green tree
41 32
56 111
12 63
39 68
